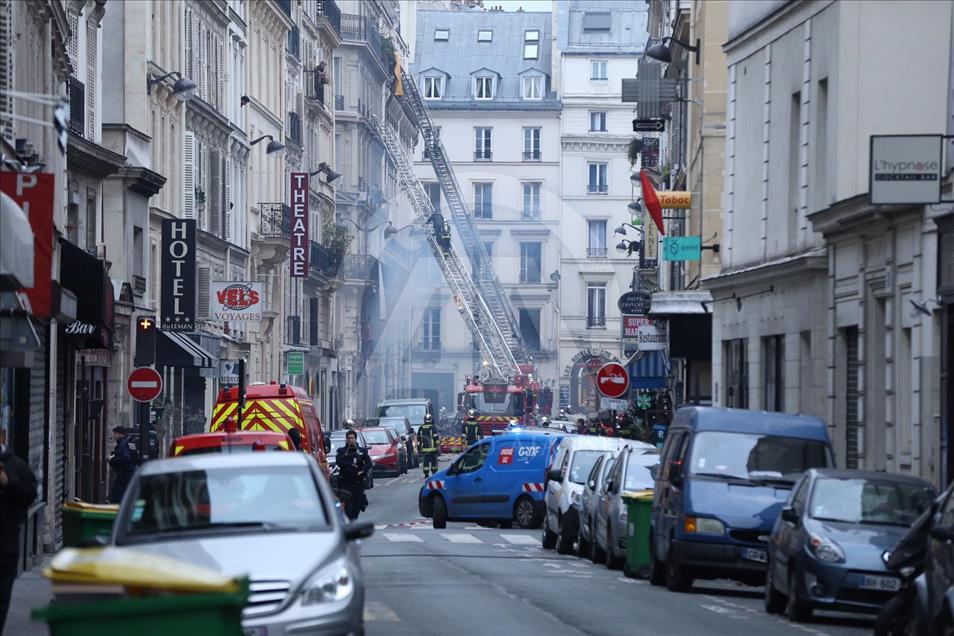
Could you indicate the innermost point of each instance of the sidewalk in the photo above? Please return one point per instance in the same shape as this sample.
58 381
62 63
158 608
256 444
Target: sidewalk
30 590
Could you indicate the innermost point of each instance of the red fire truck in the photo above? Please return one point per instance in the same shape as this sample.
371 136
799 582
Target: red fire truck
499 402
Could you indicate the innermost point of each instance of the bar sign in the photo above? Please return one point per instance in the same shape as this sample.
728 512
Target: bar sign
299 230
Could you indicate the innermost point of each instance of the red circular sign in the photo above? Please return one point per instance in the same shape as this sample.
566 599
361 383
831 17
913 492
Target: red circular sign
612 380
144 384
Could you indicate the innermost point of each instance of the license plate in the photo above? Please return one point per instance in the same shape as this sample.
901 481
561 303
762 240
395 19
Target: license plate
881 583
754 554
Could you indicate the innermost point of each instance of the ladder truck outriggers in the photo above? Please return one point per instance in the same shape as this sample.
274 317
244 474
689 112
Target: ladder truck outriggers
505 387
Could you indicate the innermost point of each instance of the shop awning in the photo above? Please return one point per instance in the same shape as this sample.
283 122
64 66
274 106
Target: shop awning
689 314
85 275
681 303
18 338
179 350
650 370
16 244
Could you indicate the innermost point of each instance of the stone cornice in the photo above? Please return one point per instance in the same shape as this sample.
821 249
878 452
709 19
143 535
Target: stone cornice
597 145
142 180
86 157
797 265
854 215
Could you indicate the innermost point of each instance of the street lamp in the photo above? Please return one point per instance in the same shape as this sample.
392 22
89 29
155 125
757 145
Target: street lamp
183 88
330 175
636 206
391 231
273 146
663 53
622 228
625 245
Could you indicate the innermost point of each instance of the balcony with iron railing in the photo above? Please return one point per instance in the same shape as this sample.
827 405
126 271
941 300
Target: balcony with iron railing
324 261
359 28
360 267
595 322
274 233
596 188
314 87
531 155
596 252
328 10
483 155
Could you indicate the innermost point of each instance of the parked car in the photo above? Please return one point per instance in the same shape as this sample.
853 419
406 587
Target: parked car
827 546
565 479
630 473
336 439
386 450
268 515
498 479
725 475
273 407
564 425
588 501
225 442
402 427
934 604
414 409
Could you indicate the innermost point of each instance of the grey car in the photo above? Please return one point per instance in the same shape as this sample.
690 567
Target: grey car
630 473
270 516
826 549
588 500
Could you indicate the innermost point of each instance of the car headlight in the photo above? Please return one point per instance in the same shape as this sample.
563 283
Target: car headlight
703 525
332 583
825 549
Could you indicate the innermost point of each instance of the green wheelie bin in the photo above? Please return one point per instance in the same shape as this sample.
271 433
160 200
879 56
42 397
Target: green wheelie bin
639 513
83 522
119 591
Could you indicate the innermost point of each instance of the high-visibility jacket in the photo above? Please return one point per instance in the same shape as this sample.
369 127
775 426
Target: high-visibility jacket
428 438
472 431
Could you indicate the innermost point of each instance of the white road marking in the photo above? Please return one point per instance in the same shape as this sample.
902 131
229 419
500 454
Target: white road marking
729 606
631 581
718 609
520 539
461 538
400 537
374 611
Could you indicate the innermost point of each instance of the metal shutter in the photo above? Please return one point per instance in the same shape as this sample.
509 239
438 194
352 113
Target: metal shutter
6 67
214 205
852 399
91 33
227 200
202 302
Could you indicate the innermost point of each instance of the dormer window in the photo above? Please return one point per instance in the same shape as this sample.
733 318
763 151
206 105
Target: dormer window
484 87
441 35
433 87
532 86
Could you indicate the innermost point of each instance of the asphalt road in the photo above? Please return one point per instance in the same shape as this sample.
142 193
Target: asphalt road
472 580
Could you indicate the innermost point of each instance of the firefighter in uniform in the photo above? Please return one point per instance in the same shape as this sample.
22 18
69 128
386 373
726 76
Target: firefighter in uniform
472 428
429 440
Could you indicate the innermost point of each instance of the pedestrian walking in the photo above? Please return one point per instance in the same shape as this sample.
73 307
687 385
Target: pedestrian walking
472 428
428 439
123 464
353 462
17 492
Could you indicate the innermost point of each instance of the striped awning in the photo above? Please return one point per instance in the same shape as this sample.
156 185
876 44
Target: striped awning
650 370
175 349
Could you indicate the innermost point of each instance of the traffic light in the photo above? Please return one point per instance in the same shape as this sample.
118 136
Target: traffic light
145 341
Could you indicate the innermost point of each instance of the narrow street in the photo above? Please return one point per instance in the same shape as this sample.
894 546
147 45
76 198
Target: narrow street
467 578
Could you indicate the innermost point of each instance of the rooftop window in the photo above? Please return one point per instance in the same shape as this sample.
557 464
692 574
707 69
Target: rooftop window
531 45
441 35
485 35
596 21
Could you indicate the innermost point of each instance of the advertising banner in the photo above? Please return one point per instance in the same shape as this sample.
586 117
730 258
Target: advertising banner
905 169
650 255
651 335
299 231
178 275
34 194
236 301
682 248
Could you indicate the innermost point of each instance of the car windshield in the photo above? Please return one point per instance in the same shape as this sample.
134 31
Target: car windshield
757 458
498 403
638 476
337 441
413 412
223 499
874 501
395 424
377 437
582 465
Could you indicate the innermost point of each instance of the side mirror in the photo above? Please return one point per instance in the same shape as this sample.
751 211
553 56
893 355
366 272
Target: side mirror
943 534
789 515
358 530
555 475
675 473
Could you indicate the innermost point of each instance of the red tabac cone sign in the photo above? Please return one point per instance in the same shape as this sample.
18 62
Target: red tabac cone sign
651 201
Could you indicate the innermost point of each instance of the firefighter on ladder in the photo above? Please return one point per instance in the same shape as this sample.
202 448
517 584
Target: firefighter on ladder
472 428
429 441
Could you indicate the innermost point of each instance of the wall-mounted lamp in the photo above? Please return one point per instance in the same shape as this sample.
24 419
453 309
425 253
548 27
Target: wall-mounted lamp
625 245
636 207
244 100
739 299
273 146
555 276
370 229
622 228
663 53
391 231
922 306
330 175
183 88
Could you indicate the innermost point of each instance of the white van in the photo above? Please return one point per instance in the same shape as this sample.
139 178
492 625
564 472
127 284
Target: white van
565 480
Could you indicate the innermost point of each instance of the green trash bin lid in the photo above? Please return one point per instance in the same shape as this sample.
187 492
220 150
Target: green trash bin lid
137 569
642 495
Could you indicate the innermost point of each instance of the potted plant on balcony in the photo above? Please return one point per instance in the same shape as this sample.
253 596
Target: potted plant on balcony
337 239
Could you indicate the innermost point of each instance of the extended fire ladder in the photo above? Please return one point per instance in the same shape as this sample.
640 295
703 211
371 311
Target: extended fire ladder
484 276
478 316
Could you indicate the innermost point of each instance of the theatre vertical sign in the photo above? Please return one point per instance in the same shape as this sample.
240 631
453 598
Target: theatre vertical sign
299 230
178 275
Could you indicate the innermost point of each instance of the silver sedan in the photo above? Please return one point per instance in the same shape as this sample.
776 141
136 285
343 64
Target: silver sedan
270 516
630 473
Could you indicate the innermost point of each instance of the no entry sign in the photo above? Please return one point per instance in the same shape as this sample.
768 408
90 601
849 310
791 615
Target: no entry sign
144 384
612 380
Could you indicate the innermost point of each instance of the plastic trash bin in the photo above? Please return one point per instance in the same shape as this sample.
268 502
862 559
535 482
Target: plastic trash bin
84 521
120 591
639 514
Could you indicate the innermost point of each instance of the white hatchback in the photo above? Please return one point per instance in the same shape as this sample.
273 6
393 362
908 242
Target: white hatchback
565 479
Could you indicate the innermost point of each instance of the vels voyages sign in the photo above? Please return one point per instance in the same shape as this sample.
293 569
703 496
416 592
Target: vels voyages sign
178 275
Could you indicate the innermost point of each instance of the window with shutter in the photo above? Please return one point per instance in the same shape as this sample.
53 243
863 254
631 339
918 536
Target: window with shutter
203 182
203 63
227 201
91 32
215 193
6 68
188 175
202 302
220 51
189 46
73 49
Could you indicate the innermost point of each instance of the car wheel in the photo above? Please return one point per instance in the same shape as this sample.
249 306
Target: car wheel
798 611
597 554
657 569
525 513
613 562
549 538
774 600
677 577
439 515
566 542
582 544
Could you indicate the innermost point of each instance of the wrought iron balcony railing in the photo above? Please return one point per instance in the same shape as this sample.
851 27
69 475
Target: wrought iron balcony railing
328 9
275 220
323 261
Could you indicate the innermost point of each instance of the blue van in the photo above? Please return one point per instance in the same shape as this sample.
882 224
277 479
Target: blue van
723 479
500 478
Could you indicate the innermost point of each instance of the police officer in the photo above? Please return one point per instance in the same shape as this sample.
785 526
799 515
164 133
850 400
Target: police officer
429 440
472 428
354 464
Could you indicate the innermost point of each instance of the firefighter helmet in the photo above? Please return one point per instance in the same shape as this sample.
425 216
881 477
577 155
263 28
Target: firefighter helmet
349 424
471 414
428 418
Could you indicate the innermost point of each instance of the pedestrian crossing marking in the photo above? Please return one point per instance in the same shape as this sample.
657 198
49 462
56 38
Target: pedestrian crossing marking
400 537
461 538
520 539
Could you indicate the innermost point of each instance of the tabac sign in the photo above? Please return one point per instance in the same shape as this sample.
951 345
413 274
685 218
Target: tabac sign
675 200
299 229
178 275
